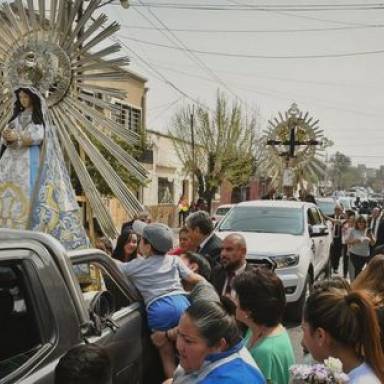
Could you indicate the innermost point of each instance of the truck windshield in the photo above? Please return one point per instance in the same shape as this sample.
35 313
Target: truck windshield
264 220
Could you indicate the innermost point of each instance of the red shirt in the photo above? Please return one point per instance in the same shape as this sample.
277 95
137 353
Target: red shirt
176 252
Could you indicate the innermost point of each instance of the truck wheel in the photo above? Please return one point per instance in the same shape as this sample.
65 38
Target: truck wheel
295 309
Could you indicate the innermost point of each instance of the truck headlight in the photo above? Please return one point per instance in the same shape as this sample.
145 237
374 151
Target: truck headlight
284 261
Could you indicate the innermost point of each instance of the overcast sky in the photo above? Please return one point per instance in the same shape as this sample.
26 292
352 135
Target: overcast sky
344 93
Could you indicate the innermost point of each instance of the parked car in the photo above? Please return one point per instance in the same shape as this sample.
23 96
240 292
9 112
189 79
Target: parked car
292 234
52 300
220 212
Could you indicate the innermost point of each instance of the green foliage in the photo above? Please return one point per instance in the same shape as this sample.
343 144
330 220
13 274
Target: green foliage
226 145
340 165
344 176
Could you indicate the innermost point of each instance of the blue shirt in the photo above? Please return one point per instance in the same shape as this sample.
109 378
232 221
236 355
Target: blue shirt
235 366
156 276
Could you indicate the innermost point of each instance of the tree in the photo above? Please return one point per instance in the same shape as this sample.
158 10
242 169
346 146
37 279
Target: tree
226 145
340 164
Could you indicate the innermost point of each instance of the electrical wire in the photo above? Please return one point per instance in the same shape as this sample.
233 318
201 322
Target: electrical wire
293 30
183 47
276 94
264 7
168 107
158 74
164 105
250 75
249 56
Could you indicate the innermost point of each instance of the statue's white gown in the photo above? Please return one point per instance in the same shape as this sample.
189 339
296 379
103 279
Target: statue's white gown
35 189
19 166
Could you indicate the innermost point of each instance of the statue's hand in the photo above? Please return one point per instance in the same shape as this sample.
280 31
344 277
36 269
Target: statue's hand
4 133
9 135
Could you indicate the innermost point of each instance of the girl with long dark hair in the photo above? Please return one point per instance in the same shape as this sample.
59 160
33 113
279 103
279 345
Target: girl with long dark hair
126 246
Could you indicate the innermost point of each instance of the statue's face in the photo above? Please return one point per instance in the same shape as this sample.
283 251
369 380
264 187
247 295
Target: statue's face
25 100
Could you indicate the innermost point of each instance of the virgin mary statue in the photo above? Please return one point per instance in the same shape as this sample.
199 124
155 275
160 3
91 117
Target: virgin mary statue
35 188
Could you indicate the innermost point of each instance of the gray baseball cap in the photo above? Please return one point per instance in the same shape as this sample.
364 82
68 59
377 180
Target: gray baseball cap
159 235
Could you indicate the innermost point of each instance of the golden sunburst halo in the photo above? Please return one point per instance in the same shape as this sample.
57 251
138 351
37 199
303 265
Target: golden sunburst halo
307 161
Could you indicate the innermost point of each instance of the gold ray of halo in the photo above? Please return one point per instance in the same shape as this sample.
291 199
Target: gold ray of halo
126 160
85 179
114 48
102 35
92 6
93 27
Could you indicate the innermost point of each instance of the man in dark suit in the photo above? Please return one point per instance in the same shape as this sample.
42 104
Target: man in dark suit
337 244
232 263
380 232
200 232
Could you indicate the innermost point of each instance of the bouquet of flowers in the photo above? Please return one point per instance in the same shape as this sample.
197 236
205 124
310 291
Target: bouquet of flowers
331 372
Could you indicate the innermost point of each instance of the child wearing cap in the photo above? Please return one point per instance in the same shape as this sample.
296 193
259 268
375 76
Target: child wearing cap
158 278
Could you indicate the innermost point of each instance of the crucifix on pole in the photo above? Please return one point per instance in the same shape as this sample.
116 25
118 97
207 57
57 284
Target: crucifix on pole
293 142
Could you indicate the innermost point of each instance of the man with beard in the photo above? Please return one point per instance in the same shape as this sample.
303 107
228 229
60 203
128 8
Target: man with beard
232 263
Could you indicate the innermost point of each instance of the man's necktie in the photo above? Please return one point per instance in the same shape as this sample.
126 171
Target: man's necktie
230 277
374 225
337 230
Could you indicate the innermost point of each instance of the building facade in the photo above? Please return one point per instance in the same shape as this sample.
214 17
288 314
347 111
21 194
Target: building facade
167 181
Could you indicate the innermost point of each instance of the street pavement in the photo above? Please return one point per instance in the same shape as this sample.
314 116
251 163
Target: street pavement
295 333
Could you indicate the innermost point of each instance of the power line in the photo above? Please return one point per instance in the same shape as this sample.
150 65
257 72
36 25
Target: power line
157 73
164 105
289 30
248 75
249 56
189 52
305 17
282 95
167 108
263 7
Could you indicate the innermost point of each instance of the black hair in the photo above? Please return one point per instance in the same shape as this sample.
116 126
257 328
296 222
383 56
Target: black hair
84 364
37 112
183 230
261 292
202 263
201 220
118 252
214 323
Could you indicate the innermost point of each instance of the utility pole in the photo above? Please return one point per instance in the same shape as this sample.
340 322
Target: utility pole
192 117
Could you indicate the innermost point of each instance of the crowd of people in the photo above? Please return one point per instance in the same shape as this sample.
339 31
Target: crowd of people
356 239
216 318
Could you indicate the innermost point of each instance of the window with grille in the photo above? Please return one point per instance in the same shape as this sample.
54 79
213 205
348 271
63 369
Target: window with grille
128 116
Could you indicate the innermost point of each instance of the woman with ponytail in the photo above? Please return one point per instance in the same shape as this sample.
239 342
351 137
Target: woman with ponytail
344 325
